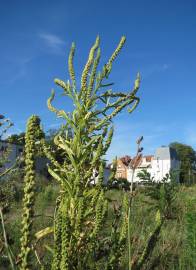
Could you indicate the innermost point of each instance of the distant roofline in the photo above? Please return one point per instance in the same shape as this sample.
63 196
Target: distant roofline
166 152
172 151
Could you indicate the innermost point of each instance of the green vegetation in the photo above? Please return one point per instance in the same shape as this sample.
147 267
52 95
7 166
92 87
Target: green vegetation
16 138
187 158
69 222
173 250
29 193
81 209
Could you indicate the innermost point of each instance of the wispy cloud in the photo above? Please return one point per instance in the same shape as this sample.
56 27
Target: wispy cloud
53 42
16 69
22 70
153 69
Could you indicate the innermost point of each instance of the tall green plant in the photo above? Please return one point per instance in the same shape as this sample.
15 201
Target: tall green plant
31 136
81 208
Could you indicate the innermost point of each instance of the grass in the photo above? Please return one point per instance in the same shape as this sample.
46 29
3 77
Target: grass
175 248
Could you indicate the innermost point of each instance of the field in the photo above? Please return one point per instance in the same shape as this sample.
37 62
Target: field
174 249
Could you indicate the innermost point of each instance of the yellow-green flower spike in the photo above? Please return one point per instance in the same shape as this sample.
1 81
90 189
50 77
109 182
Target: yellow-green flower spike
33 126
70 65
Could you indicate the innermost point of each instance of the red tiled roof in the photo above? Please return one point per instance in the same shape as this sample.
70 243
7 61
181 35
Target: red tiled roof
126 160
149 158
136 161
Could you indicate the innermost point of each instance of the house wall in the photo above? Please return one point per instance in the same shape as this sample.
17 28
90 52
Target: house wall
157 167
160 168
135 177
121 170
14 152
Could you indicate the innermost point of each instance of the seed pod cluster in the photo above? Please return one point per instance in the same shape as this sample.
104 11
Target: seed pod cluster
29 183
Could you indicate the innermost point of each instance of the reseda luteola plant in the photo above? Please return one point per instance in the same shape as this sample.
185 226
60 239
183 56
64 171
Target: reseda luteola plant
32 134
81 208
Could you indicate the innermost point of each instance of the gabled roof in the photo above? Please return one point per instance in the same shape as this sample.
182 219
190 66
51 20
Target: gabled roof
139 161
126 160
166 153
136 161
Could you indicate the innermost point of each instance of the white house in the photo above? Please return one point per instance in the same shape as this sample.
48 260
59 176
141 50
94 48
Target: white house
164 161
143 163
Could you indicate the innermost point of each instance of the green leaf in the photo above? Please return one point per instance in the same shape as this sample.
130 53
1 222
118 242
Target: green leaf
44 232
62 180
49 249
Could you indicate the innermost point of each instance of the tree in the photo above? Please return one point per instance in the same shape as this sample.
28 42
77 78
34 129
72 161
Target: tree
17 138
187 157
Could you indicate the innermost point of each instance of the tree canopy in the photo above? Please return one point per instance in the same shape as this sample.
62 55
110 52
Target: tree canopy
187 156
17 138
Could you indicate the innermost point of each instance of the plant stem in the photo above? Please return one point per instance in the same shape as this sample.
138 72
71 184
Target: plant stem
129 235
5 240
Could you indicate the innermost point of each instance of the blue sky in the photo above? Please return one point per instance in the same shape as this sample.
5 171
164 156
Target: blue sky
161 45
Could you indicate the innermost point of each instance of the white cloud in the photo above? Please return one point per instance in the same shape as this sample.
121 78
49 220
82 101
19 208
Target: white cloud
54 42
153 69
